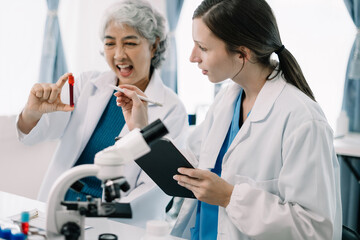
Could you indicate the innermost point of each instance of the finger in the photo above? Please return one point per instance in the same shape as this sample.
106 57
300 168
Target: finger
187 180
194 173
38 92
118 94
134 97
55 91
192 188
62 80
47 92
64 107
122 100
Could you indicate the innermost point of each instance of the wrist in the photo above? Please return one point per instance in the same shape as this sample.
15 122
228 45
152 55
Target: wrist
30 116
228 196
27 121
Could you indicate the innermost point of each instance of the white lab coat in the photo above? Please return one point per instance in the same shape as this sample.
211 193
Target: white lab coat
75 129
282 164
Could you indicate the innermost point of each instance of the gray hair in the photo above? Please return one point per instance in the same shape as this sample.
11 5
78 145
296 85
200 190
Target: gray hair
141 16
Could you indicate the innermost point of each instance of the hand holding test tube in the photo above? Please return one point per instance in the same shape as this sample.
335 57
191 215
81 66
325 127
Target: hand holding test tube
44 98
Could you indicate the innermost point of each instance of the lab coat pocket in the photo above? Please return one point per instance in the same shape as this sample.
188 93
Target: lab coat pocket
270 186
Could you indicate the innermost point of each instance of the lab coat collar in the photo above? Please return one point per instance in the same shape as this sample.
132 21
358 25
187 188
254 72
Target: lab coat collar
155 89
261 109
267 97
224 113
104 79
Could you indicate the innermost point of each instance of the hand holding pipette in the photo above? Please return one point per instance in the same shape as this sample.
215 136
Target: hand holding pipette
134 109
139 96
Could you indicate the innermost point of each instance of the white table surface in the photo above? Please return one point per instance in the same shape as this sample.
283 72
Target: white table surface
349 145
11 204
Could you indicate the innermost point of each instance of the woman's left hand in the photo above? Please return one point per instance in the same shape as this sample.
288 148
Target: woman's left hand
206 186
134 110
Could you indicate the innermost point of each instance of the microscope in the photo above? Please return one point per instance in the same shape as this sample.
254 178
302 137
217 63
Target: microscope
67 218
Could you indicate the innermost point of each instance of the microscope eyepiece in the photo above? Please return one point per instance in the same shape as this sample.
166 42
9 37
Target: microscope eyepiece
154 131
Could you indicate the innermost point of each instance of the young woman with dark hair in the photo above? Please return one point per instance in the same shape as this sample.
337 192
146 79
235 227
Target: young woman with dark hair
266 165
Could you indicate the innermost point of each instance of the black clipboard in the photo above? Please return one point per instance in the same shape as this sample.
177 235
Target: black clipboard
161 164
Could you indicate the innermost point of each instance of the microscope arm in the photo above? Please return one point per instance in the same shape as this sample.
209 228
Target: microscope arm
58 192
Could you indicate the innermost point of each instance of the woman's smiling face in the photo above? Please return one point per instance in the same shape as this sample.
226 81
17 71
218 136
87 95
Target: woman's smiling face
128 54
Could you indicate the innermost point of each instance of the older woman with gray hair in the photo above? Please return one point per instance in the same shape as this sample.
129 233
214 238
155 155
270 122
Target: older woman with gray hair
134 39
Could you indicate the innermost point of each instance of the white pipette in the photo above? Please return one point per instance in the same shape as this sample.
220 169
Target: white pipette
141 97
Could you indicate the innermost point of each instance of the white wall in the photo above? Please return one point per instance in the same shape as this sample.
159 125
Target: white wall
21 167
320 35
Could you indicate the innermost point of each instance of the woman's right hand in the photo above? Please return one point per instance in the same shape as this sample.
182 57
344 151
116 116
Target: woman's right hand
134 110
43 98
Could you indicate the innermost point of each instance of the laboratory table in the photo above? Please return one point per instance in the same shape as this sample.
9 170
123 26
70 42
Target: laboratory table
11 204
347 147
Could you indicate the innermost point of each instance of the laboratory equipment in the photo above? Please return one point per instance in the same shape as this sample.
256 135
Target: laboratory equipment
67 217
157 230
108 236
71 89
25 217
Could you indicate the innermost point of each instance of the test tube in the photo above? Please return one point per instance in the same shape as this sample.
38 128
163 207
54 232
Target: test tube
25 217
71 88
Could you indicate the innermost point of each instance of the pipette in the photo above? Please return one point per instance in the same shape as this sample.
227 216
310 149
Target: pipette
141 97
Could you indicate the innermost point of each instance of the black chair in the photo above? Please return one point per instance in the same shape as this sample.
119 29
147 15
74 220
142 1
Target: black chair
349 234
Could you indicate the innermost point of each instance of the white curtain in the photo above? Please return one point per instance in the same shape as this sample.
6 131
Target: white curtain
21 29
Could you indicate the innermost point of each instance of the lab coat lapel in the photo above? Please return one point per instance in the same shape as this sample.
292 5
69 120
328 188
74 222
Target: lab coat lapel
261 109
97 101
223 114
155 89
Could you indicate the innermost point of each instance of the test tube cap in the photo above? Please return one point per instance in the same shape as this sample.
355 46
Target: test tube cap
25 216
71 79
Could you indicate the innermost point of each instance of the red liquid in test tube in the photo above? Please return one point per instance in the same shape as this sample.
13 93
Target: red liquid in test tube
71 88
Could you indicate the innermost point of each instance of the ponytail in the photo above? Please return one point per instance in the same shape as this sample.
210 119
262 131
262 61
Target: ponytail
291 71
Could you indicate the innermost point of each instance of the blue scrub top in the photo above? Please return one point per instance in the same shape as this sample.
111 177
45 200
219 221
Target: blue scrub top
207 214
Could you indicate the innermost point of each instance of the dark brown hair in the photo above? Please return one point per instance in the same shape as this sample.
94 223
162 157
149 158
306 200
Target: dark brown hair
252 24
